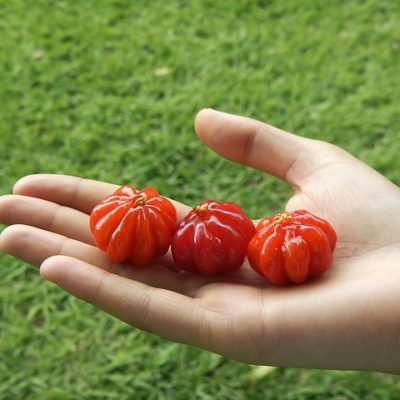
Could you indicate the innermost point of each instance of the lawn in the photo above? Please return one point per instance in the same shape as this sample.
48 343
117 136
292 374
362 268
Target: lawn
109 90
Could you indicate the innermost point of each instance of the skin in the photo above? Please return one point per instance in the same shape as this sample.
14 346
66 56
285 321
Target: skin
347 319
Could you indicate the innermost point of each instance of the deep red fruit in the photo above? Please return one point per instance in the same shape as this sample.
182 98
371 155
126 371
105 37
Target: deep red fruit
291 247
212 238
132 224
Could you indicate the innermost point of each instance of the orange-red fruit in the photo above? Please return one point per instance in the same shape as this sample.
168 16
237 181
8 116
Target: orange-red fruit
291 247
134 225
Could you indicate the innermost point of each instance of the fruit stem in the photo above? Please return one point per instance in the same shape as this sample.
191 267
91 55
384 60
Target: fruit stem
282 218
201 210
140 200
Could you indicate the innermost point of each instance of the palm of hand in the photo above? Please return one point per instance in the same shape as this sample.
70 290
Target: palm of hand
327 323
367 257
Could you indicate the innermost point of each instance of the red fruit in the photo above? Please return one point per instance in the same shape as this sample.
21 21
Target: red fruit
291 247
133 225
212 238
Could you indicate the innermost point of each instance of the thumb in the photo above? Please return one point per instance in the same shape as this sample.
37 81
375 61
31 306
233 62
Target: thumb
260 146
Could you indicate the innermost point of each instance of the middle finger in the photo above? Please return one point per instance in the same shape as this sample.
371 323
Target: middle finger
35 245
43 214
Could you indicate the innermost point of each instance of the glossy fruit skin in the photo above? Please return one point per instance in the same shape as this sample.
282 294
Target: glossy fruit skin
134 225
212 239
291 247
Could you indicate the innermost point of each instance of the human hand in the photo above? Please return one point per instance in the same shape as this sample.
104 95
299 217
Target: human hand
347 319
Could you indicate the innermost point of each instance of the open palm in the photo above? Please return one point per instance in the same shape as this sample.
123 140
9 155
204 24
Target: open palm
347 319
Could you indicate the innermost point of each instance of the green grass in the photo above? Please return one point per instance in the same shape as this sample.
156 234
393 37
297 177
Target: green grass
108 90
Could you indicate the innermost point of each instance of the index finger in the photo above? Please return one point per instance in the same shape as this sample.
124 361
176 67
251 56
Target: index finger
71 191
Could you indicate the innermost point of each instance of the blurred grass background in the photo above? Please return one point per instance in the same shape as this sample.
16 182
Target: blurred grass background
109 90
